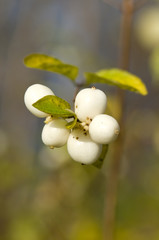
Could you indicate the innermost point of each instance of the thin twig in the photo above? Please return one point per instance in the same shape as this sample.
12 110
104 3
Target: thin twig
77 89
113 3
114 171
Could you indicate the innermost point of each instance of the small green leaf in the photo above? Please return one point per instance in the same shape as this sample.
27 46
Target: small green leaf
48 63
101 158
119 78
71 124
55 106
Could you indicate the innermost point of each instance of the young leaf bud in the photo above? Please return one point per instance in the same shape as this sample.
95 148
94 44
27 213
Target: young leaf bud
33 94
90 102
81 148
104 129
55 133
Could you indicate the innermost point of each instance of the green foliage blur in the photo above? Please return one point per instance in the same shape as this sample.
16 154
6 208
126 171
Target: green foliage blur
45 195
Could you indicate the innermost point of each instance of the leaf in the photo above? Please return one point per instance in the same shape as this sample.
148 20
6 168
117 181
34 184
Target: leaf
55 106
101 158
71 124
119 78
48 63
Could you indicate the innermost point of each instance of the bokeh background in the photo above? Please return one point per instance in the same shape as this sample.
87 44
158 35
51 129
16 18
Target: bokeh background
45 195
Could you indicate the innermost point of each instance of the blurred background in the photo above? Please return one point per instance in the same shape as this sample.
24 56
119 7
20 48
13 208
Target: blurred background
45 195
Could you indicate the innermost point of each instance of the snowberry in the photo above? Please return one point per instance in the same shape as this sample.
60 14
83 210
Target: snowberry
55 133
90 102
81 148
104 129
33 94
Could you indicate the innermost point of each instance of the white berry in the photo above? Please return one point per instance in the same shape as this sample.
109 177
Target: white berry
81 148
33 94
104 129
55 133
90 102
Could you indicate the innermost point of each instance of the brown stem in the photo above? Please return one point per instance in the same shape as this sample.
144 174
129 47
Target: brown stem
113 177
76 91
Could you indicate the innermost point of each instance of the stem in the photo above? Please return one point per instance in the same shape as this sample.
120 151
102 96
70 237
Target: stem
113 177
78 86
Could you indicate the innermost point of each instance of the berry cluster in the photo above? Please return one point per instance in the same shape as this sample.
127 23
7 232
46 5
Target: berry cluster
92 130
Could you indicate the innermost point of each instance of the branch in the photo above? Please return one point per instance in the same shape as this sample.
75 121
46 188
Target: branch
77 89
114 171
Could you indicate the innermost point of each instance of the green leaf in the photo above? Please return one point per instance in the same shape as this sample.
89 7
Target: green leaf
48 63
119 78
71 124
55 106
101 158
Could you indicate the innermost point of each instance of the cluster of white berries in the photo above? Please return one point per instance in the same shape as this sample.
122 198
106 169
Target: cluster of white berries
93 128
